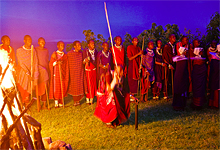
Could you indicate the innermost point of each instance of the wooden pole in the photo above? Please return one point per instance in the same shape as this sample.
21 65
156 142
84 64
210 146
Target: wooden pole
147 86
48 103
172 81
38 100
136 116
109 29
32 60
61 82
165 72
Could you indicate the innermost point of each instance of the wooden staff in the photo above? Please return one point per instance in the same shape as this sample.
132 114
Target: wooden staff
172 81
32 61
61 81
109 29
147 86
165 76
48 104
38 99
139 81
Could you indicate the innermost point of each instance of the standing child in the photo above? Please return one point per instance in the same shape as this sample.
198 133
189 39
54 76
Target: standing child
159 71
56 91
148 77
103 60
89 60
43 61
76 73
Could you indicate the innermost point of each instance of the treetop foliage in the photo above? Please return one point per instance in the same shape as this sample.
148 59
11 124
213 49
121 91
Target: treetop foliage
158 32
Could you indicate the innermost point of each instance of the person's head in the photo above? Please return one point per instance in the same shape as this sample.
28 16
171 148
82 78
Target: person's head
196 43
118 40
159 43
27 40
105 46
172 38
91 44
60 45
135 41
41 42
150 45
184 40
213 44
77 46
5 40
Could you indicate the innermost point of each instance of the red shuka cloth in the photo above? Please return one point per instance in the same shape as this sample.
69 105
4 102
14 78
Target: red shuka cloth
76 73
90 74
24 70
113 107
43 64
133 68
55 88
120 58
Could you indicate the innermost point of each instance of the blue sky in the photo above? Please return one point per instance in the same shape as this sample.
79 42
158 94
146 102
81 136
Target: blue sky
66 20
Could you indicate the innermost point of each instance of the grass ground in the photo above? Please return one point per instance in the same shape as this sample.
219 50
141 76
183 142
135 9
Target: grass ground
160 127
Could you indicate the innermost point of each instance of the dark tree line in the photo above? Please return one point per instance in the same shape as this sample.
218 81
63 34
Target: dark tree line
158 32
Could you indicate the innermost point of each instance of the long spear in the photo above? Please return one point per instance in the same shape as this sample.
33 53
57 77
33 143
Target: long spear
32 60
61 82
109 29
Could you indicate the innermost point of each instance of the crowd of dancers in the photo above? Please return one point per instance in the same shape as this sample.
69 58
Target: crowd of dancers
181 66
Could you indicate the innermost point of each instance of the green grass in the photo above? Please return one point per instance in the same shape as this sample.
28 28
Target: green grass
160 127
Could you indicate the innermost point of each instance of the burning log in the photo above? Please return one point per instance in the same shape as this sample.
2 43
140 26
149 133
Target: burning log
15 123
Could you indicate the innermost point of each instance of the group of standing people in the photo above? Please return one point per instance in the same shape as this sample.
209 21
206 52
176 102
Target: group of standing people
179 66
103 74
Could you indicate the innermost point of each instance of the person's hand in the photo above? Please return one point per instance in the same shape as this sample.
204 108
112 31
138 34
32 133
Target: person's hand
164 64
141 52
171 67
54 55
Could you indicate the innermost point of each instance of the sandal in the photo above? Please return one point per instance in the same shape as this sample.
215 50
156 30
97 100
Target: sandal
76 104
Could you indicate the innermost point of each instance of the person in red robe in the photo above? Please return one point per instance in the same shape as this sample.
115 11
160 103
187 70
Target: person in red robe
167 56
214 78
6 46
212 49
103 61
90 63
119 56
56 91
43 65
181 76
24 69
199 75
147 73
133 53
75 59
113 107
159 71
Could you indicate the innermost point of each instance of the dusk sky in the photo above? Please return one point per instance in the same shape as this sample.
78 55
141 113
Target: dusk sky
66 20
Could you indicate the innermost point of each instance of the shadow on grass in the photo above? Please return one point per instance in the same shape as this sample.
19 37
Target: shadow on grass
162 110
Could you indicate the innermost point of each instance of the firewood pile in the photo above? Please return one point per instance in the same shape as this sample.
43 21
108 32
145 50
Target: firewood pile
18 130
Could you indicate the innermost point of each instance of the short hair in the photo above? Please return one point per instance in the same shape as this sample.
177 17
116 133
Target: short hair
90 41
3 37
59 42
134 38
183 37
158 40
74 43
117 37
41 38
150 42
105 43
171 35
26 36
